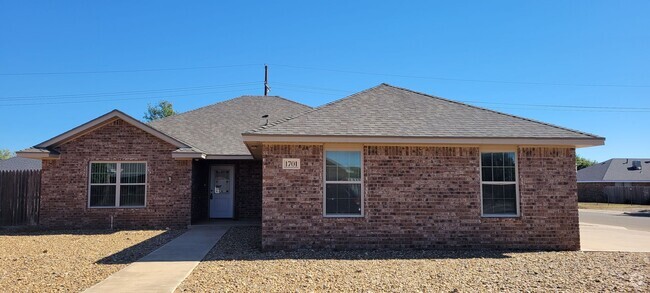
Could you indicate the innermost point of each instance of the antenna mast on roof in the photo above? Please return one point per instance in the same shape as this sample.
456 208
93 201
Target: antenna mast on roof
267 88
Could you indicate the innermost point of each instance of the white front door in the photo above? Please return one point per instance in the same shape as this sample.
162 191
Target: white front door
222 190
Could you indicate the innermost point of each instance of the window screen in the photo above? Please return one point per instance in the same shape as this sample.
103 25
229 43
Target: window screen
117 184
499 183
343 194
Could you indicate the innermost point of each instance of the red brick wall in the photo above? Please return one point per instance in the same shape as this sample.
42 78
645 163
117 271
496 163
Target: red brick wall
549 200
64 193
248 190
420 197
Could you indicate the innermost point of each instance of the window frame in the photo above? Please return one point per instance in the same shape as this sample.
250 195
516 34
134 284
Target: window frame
118 184
516 182
360 182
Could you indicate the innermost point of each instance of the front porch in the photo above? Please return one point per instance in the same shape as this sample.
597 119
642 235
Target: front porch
226 189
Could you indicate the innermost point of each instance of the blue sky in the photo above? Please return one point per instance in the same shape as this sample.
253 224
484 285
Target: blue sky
95 56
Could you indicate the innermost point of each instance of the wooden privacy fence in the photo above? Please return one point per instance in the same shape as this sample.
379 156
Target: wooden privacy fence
19 197
633 195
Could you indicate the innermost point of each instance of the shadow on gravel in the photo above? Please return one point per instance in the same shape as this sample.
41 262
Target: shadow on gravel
141 249
127 255
244 243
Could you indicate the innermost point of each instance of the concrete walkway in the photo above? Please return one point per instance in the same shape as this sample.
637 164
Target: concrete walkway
610 230
596 237
165 268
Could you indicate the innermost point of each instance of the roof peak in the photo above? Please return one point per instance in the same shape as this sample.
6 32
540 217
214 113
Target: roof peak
216 129
386 85
490 110
277 122
225 102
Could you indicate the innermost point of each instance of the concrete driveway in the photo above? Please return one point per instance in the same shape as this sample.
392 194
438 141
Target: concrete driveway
614 231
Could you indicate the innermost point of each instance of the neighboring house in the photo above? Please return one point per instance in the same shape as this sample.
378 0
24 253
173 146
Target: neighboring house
595 182
19 164
384 168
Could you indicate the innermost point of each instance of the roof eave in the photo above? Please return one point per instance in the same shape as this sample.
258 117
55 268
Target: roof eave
229 157
187 156
38 154
575 142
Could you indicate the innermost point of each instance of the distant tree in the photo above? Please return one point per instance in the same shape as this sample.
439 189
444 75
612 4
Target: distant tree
5 154
161 110
582 162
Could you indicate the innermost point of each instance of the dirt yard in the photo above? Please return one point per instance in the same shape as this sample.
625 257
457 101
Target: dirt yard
237 265
612 206
70 261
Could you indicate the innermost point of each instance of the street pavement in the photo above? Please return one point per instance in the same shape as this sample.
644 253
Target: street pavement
614 231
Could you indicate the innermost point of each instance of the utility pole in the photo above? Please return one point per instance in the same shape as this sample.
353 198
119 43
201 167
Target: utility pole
266 80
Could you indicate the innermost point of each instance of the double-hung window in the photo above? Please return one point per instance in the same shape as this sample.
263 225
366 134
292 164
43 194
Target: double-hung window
117 184
343 184
499 190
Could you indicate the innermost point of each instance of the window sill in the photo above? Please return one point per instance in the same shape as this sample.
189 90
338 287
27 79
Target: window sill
500 216
125 207
343 216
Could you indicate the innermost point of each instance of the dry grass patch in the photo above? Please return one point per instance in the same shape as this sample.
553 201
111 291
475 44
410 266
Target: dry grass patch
237 265
612 206
68 261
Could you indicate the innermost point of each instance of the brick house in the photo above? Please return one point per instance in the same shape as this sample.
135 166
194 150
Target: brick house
384 168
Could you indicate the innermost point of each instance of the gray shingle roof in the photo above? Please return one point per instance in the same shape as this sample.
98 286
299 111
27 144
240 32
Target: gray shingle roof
18 163
616 170
217 129
387 110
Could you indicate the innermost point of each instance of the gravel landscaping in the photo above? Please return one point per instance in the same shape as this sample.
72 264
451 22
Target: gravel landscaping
70 261
236 264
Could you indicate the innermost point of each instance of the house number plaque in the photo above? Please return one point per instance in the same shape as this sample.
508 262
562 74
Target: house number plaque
291 164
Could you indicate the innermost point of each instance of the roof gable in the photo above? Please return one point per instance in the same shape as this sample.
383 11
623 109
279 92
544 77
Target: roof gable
101 120
389 111
45 150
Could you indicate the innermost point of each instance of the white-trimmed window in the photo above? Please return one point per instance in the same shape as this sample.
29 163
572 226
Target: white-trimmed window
343 184
499 189
117 184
